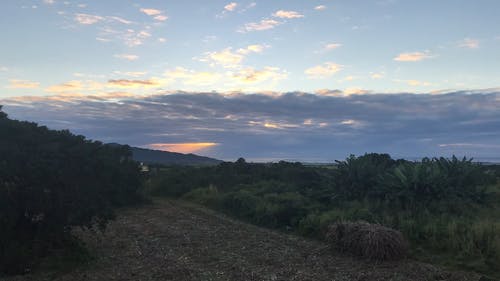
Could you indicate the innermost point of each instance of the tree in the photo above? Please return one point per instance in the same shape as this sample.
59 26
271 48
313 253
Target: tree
52 181
2 114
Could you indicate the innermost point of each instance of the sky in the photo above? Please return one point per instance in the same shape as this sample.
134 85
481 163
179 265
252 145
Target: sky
306 80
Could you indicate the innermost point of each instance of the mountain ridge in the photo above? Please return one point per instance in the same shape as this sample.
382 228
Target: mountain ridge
151 156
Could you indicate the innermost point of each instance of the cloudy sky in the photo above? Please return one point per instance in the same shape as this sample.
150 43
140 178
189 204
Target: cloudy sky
311 80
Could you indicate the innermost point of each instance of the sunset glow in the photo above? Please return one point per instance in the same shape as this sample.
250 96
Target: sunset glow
182 147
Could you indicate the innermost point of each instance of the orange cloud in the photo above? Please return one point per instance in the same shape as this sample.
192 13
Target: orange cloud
256 48
322 71
226 58
231 6
332 46
23 84
355 91
412 57
287 14
125 83
151 12
251 75
418 83
156 14
66 87
69 97
161 18
189 147
191 77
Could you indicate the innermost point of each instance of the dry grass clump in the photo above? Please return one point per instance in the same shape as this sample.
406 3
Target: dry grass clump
372 241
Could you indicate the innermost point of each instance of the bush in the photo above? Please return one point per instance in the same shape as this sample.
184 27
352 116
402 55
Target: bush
444 207
357 177
52 181
444 184
371 241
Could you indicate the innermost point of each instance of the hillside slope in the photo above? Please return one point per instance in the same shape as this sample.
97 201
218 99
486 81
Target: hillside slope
149 156
169 240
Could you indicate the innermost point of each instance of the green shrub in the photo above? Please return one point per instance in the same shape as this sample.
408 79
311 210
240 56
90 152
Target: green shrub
356 177
446 208
51 181
445 184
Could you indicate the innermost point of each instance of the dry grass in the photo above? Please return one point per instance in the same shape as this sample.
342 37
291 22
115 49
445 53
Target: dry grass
171 240
372 241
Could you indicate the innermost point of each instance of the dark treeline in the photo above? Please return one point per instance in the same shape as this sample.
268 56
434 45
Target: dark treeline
52 181
447 208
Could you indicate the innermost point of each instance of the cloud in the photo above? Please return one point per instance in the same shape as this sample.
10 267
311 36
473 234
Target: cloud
49 2
151 12
252 75
264 24
4 69
471 145
298 126
226 58
191 77
236 79
256 48
126 83
356 91
161 18
320 8
417 83
75 87
469 43
412 57
22 84
130 37
182 147
231 6
119 20
87 19
156 14
332 46
377 75
329 92
128 57
287 14
71 86
323 71
229 59
249 6
131 73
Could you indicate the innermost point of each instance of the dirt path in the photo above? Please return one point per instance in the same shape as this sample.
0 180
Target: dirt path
169 240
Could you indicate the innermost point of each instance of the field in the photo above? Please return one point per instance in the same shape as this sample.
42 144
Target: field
59 191
446 208
171 240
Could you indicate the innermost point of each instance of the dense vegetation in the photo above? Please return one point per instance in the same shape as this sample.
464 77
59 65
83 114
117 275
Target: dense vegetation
53 181
149 156
446 208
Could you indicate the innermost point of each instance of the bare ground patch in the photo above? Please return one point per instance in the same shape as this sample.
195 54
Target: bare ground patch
170 240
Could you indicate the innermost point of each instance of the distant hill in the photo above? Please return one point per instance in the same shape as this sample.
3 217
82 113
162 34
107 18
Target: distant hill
150 156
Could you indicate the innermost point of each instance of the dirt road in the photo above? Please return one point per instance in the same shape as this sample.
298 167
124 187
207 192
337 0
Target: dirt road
168 240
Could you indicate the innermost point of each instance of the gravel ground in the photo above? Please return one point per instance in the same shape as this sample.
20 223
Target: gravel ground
170 240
